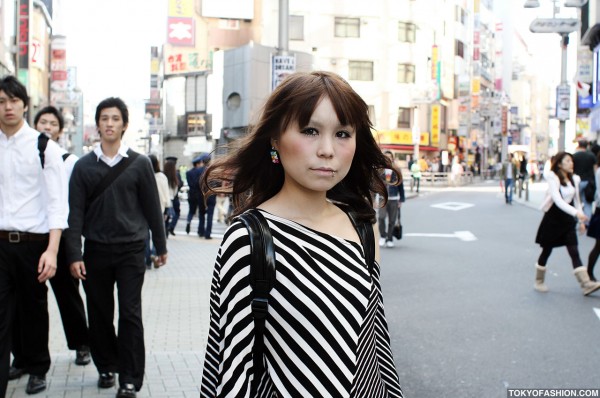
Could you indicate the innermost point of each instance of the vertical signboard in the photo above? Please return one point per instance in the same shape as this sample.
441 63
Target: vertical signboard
281 67
435 125
58 71
23 41
180 23
563 101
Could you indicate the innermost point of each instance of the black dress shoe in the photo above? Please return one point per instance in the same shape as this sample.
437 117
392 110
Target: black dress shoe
187 228
106 380
82 356
15 373
171 231
126 391
36 384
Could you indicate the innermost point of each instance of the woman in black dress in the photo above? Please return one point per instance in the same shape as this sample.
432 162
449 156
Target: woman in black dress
563 211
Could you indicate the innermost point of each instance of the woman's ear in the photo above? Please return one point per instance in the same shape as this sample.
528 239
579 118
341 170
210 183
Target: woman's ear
274 143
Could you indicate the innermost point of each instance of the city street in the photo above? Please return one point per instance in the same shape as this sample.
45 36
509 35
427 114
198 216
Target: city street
464 318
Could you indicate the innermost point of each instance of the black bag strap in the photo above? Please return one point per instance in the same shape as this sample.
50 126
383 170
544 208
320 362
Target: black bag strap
65 156
112 175
42 144
262 279
367 238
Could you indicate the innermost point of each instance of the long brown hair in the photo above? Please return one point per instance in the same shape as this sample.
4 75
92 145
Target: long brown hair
252 178
170 171
562 176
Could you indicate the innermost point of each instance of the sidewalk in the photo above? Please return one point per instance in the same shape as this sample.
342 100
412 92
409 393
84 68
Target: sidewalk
175 312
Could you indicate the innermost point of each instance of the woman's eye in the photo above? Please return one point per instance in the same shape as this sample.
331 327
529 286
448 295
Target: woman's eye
343 134
309 131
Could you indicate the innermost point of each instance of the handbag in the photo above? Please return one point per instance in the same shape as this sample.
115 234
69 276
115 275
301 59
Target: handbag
397 229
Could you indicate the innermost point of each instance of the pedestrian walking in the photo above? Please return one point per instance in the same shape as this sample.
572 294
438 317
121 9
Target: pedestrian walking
415 169
66 288
164 196
113 201
33 213
593 230
307 166
207 210
195 198
389 214
584 162
562 213
175 184
508 172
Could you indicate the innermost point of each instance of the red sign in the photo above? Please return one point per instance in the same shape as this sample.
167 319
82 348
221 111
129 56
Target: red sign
59 75
24 34
180 31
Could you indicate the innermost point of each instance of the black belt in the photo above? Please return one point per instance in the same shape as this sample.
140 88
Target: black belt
16 236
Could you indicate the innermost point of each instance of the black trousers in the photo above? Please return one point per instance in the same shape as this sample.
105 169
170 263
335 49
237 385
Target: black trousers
24 300
123 264
70 305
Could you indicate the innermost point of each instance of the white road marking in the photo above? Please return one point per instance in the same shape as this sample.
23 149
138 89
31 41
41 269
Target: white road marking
597 311
454 206
466 236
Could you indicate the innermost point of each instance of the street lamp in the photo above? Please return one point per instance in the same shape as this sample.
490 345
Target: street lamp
562 26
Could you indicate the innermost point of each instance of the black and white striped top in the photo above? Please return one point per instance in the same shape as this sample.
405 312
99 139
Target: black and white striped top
326 334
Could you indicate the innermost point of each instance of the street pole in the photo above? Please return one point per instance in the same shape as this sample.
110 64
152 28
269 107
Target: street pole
283 27
562 124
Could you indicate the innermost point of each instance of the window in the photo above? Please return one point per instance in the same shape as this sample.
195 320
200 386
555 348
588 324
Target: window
296 30
459 48
371 111
406 32
404 117
195 93
361 70
347 27
406 73
461 15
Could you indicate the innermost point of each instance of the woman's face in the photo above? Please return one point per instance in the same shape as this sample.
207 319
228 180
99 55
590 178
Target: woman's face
566 164
317 156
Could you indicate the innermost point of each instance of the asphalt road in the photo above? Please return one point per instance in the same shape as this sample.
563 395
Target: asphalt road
464 318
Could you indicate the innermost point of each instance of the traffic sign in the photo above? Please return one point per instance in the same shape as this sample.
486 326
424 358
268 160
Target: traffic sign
554 25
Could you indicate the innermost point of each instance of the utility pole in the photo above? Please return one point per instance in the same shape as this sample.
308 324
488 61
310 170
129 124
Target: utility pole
284 10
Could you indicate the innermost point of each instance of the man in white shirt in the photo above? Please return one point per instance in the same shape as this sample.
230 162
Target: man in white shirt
33 213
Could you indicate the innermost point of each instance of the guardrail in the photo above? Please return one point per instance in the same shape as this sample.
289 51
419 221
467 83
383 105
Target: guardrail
429 178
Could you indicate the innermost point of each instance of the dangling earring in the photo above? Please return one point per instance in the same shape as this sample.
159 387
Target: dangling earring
274 155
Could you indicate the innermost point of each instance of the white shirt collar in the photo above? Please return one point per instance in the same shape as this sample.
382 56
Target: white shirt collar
122 151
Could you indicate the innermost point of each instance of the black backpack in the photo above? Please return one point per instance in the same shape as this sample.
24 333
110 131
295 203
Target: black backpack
263 273
42 144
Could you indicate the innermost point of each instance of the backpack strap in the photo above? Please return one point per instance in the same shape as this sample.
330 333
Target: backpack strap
42 144
367 238
262 279
65 156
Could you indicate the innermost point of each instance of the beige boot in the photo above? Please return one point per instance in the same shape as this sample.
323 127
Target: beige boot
583 278
540 273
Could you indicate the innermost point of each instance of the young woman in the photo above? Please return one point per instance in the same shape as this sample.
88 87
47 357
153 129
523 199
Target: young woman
165 202
310 158
594 226
563 211
170 170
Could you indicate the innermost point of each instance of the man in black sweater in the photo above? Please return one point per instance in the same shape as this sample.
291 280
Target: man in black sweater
115 222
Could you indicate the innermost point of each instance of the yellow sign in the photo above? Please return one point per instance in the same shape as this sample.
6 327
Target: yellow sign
475 85
181 8
400 137
435 125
